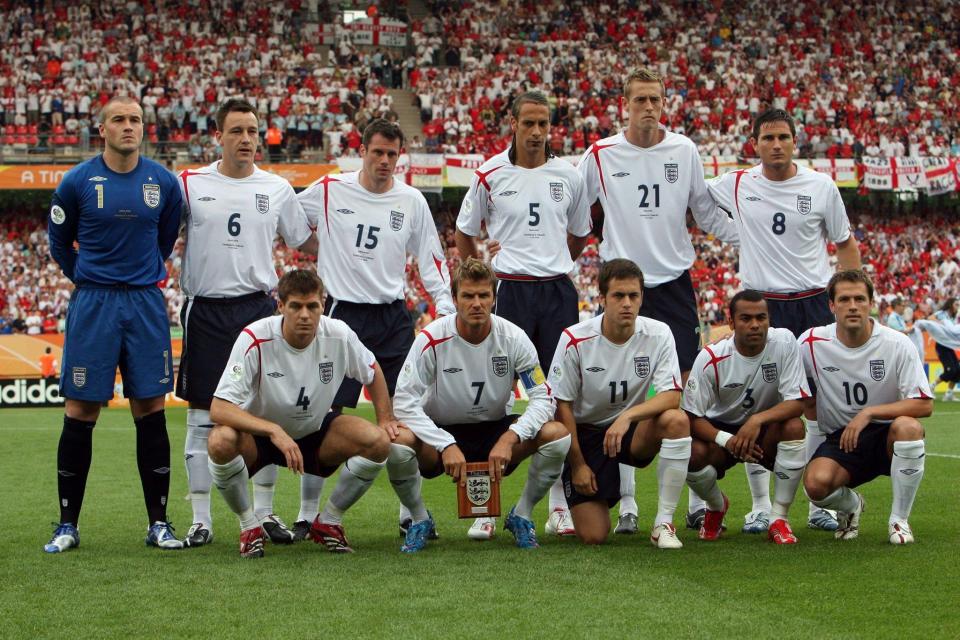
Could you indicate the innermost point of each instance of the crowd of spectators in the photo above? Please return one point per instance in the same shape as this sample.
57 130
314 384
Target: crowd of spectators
875 77
915 258
878 77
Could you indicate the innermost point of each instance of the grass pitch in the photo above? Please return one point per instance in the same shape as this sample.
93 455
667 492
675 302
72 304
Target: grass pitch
113 586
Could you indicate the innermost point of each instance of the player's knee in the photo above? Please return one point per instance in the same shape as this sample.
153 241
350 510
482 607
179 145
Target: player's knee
906 428
674 424
406 438
699 455
375 444
816 484
552 431
793 429
222 444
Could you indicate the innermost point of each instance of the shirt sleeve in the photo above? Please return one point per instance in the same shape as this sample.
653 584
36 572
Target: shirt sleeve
587 168
243 368
292 220
700 393
430 258
578 215
541 406
793 382
418 373
838 224
311 201
565 371
807 364
913 382
709 217
473 209
361 362
62 226
666 374
169 225
721 191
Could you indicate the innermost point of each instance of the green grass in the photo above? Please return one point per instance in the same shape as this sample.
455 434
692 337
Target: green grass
112 586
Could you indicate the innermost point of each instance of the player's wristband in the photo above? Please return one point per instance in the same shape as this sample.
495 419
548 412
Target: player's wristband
722 438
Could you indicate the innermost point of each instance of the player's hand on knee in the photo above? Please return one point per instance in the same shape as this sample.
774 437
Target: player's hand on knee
584 480
392 427
747 439
289 449
613 439
851 434
454 464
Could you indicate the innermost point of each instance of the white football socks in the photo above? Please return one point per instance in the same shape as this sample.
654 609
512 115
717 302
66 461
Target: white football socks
404 472
703 483
195 459
628 490
759 480
788 472
545 466
231 479
264 484
671 473
906 472
356 476
558 498
311 487
811 441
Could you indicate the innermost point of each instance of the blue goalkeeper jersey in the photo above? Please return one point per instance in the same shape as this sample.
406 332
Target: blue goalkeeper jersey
125 224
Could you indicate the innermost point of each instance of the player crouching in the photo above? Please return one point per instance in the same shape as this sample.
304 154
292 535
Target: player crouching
601 373
744 399
870 390
454 394
272 406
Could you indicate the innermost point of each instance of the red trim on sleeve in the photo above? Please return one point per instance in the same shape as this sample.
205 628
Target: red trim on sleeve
432 342
736 191
325 181
186 173
483 177
256 343
809 340
714 360
595 152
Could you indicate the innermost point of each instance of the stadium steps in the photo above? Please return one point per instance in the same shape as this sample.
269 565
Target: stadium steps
408 113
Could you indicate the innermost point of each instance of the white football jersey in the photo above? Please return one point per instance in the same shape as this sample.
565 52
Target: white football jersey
645 194
726 386
447 380
365 238
784 227
293 388
885 369
230 227
602 379
529 211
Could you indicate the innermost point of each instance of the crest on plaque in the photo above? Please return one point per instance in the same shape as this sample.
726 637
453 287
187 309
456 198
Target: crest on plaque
478 489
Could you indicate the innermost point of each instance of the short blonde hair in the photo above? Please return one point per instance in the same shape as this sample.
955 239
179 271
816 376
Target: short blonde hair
473 270
643 74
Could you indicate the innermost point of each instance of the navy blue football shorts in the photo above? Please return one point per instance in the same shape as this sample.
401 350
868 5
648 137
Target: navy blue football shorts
110 327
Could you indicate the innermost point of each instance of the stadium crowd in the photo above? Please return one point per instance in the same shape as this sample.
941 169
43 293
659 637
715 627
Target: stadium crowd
922 267
881 80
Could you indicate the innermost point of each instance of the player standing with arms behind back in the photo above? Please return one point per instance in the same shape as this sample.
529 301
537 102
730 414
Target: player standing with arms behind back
232 213
784 213
645 178
124 212
535 207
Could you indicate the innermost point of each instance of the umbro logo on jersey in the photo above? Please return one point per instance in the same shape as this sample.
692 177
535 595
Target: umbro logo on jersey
98 179
753 198
621 174
507 194
206 199
733 385
452 370
275 374
346 211
595 369
830 369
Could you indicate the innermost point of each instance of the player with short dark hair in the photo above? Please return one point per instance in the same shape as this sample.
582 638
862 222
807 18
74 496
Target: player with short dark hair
870 389
601 375
785 214
744 400
536 212
123 211
272 406
644 179
233 211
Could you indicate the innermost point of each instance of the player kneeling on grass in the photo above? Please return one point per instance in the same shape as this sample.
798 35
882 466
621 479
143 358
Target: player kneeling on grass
455 393
744 400
601 374
272 406
870 390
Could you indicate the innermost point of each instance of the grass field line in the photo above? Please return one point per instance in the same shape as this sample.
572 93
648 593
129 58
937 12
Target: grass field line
944 455
20 357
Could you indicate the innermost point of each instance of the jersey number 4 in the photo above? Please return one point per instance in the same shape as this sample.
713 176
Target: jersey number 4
303 401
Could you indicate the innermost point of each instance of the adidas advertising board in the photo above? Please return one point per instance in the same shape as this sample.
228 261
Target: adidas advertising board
29 392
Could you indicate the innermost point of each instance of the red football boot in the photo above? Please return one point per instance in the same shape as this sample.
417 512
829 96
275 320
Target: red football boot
713 522
329 535
251 542
781 533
